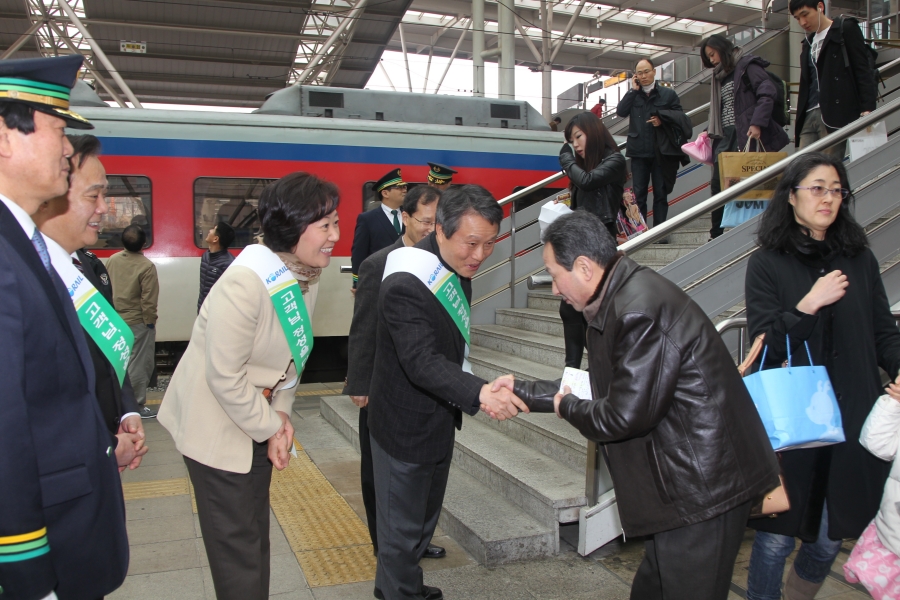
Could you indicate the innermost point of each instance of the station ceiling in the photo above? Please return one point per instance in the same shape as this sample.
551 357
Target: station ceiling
235 52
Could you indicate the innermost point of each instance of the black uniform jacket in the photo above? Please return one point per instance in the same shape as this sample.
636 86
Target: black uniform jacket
373 232
57 469
115 400
361 346
851 338
843 93
683 439
419 389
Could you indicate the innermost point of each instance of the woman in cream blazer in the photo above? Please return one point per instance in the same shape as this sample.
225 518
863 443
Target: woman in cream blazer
217 404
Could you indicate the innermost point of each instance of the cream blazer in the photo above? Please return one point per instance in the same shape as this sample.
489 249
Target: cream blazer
214 407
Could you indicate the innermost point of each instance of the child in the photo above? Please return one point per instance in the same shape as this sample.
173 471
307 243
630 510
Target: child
875 561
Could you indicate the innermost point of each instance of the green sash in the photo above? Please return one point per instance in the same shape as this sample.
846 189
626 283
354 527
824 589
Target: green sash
286 297
439 280
97 316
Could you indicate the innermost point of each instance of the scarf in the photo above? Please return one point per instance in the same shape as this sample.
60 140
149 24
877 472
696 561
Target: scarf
305 276
715 103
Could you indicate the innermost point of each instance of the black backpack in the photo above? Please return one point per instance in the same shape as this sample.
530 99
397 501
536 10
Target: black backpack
781 110
871 56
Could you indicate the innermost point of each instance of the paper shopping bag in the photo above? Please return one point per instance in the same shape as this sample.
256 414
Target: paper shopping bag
737 166
867 140
551 211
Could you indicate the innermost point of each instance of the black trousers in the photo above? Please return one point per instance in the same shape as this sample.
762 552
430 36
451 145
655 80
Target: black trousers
728 143
409 497
233 509
574 332
367 476
643 171
692 562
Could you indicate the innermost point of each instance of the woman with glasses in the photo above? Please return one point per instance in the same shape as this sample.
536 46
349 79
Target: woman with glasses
648 105
740 108
815 281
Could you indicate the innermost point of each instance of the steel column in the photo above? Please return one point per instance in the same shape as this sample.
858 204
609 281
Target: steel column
405 58
559 44
507 65
477 48
546 63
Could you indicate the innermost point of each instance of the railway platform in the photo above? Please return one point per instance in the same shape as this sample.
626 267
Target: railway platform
320 545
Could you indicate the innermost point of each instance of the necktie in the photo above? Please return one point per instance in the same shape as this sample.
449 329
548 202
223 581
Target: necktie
396 221
78 265
38 240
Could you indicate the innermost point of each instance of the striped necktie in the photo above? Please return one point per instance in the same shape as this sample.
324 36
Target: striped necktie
38 240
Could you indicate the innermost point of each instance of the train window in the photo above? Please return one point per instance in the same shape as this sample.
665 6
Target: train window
233 200
128 197
505 111
326 99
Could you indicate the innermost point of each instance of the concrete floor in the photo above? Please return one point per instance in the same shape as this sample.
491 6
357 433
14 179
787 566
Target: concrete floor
168 559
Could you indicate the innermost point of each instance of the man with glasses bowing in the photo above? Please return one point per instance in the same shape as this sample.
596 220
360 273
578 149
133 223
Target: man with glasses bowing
381 227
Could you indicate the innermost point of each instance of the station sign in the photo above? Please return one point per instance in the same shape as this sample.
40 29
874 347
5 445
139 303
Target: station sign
133 47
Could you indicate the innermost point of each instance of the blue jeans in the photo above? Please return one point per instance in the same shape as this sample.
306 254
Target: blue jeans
770 550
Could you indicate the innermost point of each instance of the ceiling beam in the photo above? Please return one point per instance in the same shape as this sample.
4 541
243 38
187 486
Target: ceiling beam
193 29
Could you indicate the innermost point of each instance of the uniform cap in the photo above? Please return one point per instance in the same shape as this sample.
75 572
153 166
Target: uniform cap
44 84
440 174
390 179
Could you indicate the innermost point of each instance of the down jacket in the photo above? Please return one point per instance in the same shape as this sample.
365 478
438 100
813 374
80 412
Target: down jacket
754 99
682 438
881 436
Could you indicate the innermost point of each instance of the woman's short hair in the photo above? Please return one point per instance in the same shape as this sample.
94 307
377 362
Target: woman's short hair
288 206
778 227
723 46
599 144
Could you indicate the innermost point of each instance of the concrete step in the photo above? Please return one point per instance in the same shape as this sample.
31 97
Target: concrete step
663 252
537 347
490 527
490 364
546 489
531 319
543 300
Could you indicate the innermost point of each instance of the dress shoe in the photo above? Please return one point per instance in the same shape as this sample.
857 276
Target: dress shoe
428 593
433 551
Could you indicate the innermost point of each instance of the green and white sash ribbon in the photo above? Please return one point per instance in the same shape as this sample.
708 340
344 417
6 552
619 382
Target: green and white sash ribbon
97 316
440 281
286 298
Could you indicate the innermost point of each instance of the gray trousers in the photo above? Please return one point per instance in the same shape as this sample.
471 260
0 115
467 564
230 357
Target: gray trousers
143 357
409 498
814 129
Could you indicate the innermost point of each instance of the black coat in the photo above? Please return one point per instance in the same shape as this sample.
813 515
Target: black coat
56 464
852 338
600 190
364 326
419 388
212 265
843 93
115 400
683 440
373 232
639 107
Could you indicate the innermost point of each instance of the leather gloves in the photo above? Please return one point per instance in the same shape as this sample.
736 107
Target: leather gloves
566 157
537 395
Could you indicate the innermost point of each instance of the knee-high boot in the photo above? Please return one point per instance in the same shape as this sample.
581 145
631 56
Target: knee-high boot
574 330
797 588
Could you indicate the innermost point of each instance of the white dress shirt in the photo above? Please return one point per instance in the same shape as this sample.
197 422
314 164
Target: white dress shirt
387 210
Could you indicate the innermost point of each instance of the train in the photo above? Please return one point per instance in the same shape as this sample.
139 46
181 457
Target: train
179 172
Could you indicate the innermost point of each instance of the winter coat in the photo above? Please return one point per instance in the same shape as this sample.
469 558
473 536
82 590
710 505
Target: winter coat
754 99
212 265
639 107
681 436
600 190
851 338
843 93
881 436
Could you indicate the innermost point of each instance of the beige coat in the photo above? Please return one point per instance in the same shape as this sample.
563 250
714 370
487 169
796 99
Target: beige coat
214 407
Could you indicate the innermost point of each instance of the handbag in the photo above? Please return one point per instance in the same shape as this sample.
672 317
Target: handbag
700 149
776 501
796 404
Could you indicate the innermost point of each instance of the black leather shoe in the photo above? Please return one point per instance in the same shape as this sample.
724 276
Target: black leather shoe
379 594
433 551
428 593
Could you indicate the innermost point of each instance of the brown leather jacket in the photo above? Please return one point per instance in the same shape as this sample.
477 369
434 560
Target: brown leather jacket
682 438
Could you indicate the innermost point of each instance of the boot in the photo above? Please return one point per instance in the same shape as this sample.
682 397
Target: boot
574 338
797 588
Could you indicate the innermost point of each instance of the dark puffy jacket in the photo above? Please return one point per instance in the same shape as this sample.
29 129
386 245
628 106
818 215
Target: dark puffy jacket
843 93
600 190
639 107
212 265
682 438
754 99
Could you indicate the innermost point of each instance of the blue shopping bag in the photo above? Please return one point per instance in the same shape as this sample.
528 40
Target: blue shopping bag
739 212
796 405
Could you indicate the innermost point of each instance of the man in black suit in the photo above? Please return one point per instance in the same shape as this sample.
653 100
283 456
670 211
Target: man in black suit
380 227
72 222
422 382
419 207
62 515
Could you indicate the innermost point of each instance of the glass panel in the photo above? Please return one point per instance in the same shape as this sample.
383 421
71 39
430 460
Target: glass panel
129 199
231 200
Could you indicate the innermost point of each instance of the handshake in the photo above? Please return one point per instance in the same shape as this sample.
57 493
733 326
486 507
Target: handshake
505 397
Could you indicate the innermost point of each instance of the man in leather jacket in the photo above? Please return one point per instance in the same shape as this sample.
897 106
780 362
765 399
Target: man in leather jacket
685 446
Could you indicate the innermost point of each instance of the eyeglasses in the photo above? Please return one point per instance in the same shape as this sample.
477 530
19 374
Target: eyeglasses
397 187
819 191
645 72
425 223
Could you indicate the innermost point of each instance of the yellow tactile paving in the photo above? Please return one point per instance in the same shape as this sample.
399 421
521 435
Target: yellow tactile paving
334 566
159 488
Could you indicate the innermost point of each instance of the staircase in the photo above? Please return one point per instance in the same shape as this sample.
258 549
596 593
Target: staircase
513 483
